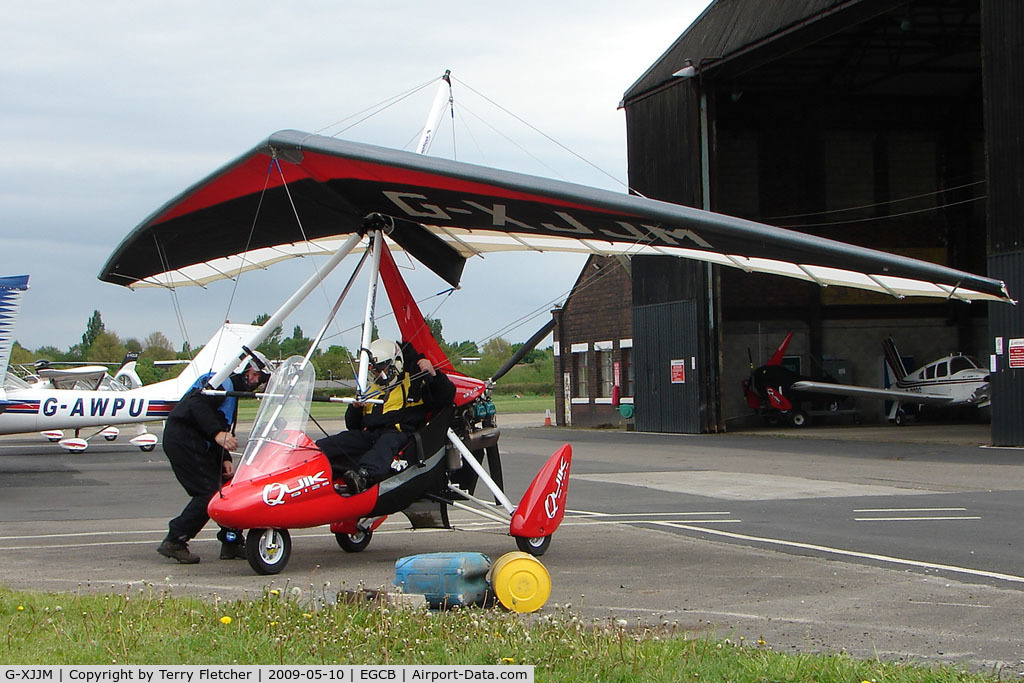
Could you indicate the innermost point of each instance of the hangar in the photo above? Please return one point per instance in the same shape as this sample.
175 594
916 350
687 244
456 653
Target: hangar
891 124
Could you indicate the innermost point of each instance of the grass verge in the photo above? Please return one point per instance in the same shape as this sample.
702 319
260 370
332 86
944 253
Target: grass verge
149 626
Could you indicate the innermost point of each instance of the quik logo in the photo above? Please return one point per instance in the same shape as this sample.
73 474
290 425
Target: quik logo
276 492
551 502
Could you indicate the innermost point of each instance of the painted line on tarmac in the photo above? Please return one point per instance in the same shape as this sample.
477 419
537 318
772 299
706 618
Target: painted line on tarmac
586 513
915 518
910 519
95 544
846 553
911 510
81 533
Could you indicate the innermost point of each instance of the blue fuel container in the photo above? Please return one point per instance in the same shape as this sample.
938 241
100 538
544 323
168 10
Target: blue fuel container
446 579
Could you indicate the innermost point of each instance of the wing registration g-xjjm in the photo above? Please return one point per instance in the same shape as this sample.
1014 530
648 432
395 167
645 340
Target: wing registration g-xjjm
297 194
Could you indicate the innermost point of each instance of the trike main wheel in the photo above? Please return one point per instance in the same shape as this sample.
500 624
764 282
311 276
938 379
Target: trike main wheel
354 543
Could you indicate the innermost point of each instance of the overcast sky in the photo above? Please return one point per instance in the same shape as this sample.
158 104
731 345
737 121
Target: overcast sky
110 109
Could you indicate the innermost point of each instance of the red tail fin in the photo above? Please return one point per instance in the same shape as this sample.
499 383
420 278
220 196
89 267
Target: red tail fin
543 505
780 352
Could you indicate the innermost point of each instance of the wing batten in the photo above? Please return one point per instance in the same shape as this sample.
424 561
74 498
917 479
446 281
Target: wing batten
470 210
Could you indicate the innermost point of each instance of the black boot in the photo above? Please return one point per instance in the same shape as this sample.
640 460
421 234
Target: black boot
232 544
177 550
356 481
233 551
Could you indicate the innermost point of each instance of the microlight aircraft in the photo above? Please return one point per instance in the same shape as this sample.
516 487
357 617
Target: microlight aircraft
951 381
300 194
772 391
87 397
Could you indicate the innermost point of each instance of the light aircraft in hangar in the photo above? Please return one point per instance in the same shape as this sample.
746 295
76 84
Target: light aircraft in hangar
299 194
87 397
952 381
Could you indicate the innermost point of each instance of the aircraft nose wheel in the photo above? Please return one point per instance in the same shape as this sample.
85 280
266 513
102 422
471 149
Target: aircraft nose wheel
354 543
536 546
268 550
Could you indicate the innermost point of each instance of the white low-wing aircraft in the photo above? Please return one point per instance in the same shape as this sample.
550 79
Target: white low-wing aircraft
954 380
88 397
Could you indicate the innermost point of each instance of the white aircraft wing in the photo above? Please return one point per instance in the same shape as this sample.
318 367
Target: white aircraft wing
84 377
871 392
297 194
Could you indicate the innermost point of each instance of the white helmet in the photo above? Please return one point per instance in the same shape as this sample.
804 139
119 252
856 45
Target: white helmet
258 361
386 359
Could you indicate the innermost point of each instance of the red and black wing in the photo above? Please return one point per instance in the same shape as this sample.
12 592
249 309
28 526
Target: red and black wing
297 194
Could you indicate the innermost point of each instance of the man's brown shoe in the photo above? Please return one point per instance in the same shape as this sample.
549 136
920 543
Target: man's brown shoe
177 550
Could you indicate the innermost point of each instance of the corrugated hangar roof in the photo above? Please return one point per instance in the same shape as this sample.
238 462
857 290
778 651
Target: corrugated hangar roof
876 47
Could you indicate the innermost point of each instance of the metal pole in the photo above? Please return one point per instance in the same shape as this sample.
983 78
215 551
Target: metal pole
443 97
376 242
468 458
290 305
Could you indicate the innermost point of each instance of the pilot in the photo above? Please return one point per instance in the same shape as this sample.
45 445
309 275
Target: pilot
198 440
376 432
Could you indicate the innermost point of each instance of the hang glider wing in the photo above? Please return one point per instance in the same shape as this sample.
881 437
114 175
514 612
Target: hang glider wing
871 392
297 194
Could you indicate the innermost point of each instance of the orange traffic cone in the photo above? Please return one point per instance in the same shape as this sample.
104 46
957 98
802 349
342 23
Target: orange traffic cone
547 418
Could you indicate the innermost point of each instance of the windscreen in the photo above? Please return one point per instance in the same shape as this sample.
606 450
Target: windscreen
281 420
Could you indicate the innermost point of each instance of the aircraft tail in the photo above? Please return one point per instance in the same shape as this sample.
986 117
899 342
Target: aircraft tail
11 291
225 346
780 352
126 375
892 358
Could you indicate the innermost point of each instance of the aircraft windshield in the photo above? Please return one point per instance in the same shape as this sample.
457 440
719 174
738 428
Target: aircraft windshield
958 363
12 381
281 419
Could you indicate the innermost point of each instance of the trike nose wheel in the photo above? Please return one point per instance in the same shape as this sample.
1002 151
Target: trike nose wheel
268 550
536 546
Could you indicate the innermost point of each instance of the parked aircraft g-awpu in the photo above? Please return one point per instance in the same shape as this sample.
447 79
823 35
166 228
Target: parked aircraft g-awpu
87 397
299 194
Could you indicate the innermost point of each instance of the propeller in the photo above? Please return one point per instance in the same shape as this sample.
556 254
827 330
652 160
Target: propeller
530 344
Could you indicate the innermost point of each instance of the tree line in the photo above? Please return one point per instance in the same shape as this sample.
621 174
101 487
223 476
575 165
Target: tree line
534 374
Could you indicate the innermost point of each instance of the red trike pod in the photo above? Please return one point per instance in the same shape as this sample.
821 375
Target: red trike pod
543 505
288 487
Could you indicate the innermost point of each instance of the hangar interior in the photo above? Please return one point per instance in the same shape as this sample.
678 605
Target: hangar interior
858 120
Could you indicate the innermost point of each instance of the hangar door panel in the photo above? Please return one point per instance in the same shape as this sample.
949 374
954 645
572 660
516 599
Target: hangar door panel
665 349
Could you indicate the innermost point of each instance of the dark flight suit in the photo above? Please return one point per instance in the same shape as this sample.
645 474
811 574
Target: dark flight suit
196 459
376 432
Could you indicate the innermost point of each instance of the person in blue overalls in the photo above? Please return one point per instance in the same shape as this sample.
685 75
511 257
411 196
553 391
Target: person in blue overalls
198 439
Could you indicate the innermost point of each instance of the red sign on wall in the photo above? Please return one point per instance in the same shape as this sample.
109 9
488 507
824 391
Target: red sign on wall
678 370
1016 352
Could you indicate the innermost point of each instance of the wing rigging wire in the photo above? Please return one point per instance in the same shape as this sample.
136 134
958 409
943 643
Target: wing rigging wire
379 107
549 138
881 218
877 204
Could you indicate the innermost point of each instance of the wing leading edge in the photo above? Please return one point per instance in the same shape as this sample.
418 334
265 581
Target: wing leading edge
871 392
298 194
